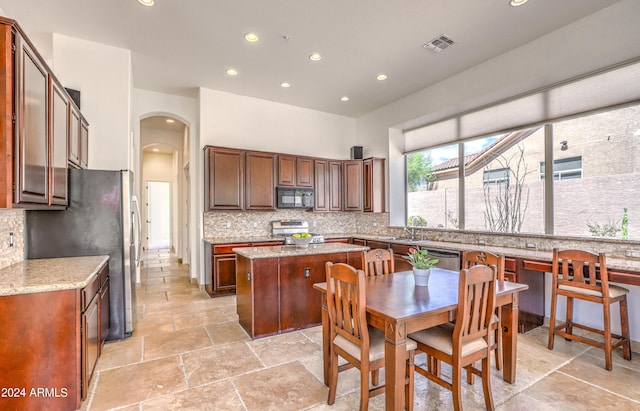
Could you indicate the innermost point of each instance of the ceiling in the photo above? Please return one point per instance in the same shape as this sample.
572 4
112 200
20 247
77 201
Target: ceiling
179 46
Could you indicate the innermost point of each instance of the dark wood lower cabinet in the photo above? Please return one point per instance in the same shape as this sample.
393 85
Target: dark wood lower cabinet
49 346
276 295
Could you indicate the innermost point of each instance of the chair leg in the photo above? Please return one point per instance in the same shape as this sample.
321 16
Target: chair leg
456 386
364 387
409 387
375 377
486 384
608 354
333 378
624 323
569 316
499 341
552 319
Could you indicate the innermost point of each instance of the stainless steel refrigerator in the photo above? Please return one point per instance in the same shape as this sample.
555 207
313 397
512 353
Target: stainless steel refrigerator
102 219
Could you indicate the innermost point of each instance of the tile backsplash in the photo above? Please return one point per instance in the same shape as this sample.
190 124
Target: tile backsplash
11 221
258 223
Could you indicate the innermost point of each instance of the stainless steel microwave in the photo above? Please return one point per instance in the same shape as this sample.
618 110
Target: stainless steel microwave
290 197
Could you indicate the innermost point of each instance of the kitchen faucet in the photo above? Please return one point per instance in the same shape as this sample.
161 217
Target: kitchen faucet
410 231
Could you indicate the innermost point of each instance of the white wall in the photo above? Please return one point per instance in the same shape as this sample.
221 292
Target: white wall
231 120
103 76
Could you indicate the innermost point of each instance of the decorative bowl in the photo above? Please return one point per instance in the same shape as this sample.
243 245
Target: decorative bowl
301 241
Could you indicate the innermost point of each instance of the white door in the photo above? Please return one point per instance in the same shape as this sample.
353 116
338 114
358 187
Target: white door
158 214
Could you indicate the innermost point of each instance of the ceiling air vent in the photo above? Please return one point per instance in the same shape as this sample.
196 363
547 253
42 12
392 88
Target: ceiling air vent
439 43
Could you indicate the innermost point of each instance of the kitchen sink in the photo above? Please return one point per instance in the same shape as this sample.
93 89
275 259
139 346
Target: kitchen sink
396 239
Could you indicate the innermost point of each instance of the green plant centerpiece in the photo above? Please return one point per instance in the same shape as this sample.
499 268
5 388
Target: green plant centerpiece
422 264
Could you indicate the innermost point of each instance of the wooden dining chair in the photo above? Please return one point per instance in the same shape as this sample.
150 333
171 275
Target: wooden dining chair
352 339
468 340
378 261
575 275
471 258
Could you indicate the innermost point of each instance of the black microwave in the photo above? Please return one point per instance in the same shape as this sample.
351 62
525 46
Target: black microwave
290 197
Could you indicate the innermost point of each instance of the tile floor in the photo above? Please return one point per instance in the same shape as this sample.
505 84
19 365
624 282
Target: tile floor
189 353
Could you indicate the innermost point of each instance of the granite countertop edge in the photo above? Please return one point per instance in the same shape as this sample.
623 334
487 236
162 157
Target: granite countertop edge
280 251
50 274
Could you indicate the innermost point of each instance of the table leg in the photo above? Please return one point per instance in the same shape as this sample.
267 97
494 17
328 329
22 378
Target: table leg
395 351
326 359
510 339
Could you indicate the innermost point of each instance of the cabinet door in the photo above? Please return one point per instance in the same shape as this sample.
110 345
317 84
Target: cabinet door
90 343
31 166
352 185
224 174
74 135
335 185
374 197
59 132
321 178
224 273
304 172
260 187
300 304
286 170
84 143
105 318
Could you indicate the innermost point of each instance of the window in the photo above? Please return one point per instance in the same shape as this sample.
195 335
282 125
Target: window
495 177
565 168
433 187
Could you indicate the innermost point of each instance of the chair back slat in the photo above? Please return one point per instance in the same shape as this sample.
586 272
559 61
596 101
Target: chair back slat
578 268
476 303
346 303
378 261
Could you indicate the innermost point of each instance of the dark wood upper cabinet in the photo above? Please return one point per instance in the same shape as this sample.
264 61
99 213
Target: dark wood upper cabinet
224 178
84 143
260 182
352 185
35 131
294 171
74 135
374 198
59 132
32 103
321 196
304 172
335 185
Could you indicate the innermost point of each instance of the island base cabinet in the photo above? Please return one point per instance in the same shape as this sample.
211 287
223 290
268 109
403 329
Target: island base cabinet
257 295
276 295
39 359
300 304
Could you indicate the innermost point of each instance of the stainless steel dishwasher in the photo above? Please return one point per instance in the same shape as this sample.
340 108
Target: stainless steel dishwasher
449 260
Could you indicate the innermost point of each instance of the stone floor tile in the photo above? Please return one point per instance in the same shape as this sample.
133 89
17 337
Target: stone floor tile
284 348
172 343
219 362
217 396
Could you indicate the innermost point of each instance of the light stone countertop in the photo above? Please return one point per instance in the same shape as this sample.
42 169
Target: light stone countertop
291 250
49 274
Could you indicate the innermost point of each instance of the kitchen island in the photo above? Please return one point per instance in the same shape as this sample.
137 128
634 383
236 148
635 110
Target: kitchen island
274 285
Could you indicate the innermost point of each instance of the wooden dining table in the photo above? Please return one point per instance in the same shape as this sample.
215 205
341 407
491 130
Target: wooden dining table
398 307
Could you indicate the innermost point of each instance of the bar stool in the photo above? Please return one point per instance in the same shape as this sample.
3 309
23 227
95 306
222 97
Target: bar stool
575 276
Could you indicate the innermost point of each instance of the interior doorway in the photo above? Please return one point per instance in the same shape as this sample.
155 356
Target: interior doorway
158 214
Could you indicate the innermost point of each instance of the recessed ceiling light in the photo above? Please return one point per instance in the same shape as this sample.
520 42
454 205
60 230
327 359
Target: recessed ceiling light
231 72
381 77
344 99
251 37
516 3
284 84
315 57
155 150
170 120
147 3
